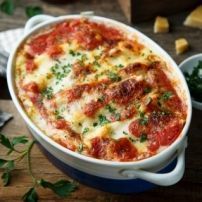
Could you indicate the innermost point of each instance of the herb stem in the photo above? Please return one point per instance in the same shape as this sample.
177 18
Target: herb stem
29 162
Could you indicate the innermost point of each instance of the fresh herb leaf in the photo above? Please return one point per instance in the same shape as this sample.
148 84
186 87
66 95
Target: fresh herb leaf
48 93
95 124
125 133
57 114
10 165
60 71
30 196
143 137
110 108
114 77
62 188
194 81
85 130
96 63
103 120
143 120
147 90
19 140
5 141
166 96
101 99
2 162
6 177
80 148
71 52
33 10
131 139
120 66
8 7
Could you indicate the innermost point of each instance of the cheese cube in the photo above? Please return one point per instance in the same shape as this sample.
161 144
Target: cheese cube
181 45
161 25
194 19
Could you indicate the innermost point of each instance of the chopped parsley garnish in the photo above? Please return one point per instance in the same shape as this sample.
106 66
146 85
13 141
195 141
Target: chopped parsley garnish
131 139
96 63
85 130
120 66
147 90
194 81
114 77
71 52
110 108
143 137
48 93
57 114
101 99
166 95
60 71
125 133
103 120
80 148
95 124
143 119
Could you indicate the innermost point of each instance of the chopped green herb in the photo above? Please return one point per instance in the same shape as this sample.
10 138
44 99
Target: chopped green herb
131 139
194 81
120 66
147 90
57 114
80 124
143 119
125 133
95 124
80 148
85 130
101 99
60 72
71 52
33 10
8 7
78 54
110 108
103 120
114 77
96 63
143 137
48 93
166 95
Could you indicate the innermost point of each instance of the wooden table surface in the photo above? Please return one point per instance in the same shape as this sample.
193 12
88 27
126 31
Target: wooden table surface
188 189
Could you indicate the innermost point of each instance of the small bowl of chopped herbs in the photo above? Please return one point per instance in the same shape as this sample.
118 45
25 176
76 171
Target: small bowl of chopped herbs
192 70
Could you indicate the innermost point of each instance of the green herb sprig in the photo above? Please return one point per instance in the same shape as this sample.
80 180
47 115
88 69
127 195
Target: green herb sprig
194 81
8 7
62 188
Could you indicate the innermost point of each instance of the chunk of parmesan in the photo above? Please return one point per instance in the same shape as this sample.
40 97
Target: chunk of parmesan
181 45
194 19
161 25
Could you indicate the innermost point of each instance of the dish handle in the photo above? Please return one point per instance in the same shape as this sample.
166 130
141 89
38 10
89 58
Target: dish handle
162 179
34 21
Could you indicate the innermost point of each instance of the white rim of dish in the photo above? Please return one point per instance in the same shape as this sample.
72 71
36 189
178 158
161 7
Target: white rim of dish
11 86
